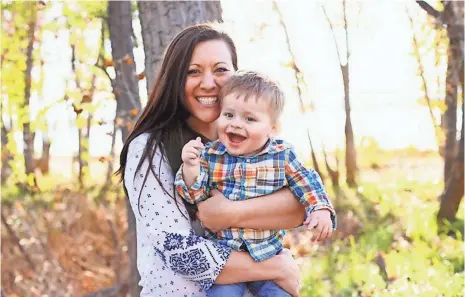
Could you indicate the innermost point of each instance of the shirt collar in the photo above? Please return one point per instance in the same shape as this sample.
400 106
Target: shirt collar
273 146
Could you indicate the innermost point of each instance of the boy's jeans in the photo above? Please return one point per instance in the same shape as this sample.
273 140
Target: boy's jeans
257 288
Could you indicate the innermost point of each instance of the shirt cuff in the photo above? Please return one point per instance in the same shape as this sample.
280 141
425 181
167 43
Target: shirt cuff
310 209
200 180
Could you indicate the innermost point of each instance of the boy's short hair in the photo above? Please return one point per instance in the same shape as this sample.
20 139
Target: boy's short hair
254 84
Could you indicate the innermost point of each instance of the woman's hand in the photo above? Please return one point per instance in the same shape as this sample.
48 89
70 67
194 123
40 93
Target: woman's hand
217 213
289 279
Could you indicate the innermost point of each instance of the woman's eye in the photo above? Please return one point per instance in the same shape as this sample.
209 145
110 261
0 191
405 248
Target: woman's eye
222 69
193 71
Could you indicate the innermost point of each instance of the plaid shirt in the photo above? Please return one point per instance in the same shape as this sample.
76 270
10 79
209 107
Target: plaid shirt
241 178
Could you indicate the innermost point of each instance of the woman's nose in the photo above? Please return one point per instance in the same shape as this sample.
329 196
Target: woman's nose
208 82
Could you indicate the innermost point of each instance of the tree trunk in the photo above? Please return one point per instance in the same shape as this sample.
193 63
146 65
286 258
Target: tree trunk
351 154
112 155
350 151
128 106
162 20
45 158
454 65
125 85
450 115
78 110
454 188
454 151
6 155
27 134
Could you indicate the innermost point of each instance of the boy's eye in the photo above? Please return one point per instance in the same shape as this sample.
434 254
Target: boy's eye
228 115
193 71
250 119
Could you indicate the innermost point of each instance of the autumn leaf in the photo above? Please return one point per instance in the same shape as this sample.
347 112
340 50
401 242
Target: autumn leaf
102 159
128 59
119 122
130 126
289 64
141 75
116 91
86 99
134 111
19 207
41 4
100 122
77 110
108 62
109 133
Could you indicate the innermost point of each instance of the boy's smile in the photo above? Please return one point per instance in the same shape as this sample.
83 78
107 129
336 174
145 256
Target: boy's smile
235 138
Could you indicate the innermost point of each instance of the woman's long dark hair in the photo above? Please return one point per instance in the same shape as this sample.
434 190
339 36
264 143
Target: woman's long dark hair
164 117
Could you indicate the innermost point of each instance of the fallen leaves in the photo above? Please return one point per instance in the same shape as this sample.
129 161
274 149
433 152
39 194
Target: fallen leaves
71 243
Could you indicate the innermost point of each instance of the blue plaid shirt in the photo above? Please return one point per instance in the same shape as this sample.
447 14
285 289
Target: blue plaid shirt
241 178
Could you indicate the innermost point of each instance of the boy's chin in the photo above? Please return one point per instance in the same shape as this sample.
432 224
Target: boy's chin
236 151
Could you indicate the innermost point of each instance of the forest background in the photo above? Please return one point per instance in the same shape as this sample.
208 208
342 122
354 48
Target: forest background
374 103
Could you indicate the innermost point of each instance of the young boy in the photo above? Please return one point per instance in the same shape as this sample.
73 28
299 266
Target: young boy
246 162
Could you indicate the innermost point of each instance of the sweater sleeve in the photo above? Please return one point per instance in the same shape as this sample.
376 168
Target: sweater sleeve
163 222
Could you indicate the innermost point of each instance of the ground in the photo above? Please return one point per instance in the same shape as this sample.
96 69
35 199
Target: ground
73 240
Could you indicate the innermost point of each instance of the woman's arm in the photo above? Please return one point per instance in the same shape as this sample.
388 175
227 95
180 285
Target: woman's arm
279 210
281 268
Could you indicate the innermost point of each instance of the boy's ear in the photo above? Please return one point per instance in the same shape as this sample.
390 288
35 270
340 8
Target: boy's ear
274 130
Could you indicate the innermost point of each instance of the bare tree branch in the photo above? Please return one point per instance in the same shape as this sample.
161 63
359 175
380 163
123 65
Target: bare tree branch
344 9
332 32
100 63
299 77
416 50
314 160
333 174
429 9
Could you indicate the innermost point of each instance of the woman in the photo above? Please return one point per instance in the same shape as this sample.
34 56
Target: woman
172 259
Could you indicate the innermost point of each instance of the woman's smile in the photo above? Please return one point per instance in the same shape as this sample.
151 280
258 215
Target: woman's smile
208 101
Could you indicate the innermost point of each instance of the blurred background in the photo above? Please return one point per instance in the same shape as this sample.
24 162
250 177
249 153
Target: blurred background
374 103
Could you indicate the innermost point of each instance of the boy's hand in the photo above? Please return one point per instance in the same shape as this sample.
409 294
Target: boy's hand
320 224
191 152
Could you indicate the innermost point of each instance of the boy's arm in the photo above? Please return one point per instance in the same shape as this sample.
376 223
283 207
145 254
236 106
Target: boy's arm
198 190
307 186
190 173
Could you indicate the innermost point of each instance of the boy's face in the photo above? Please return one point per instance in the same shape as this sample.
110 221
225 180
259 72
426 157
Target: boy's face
244 126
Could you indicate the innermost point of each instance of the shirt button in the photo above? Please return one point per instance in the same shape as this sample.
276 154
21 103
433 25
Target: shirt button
248 161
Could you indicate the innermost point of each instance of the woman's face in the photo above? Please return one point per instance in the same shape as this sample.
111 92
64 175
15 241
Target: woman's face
209 69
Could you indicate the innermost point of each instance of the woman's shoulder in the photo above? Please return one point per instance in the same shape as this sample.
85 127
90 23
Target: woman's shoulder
140 142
